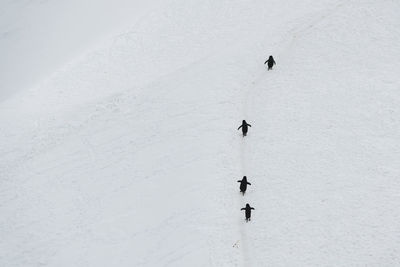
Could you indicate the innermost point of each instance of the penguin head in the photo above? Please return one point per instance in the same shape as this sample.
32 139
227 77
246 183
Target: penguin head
270 57
244 121
247 205
244 178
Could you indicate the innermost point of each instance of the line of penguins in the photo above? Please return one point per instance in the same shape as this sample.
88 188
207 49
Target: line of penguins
245 128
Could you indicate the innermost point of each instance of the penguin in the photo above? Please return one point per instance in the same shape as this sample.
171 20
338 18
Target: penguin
244 127
271 62
243 184
247 210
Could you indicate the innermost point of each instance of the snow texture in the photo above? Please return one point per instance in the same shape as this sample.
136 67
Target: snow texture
122 148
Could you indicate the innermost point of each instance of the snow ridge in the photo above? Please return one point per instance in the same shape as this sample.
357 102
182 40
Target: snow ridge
126 156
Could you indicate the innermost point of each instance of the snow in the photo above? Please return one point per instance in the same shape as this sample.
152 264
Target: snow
122 149
37 37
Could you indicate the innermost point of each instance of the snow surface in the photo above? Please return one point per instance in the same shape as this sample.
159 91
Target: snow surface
126 152
38 36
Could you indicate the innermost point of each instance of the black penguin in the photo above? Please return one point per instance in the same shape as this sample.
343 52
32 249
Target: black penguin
243 184
271 62
244 127
247 210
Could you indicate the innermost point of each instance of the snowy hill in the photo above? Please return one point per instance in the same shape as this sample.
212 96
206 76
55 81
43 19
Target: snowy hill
122 148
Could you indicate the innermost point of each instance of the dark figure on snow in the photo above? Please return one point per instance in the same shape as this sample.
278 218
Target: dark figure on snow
271 62
247 210
244 127
243 184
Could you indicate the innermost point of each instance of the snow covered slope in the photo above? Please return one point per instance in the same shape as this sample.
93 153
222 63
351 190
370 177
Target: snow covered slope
38 36
128 155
